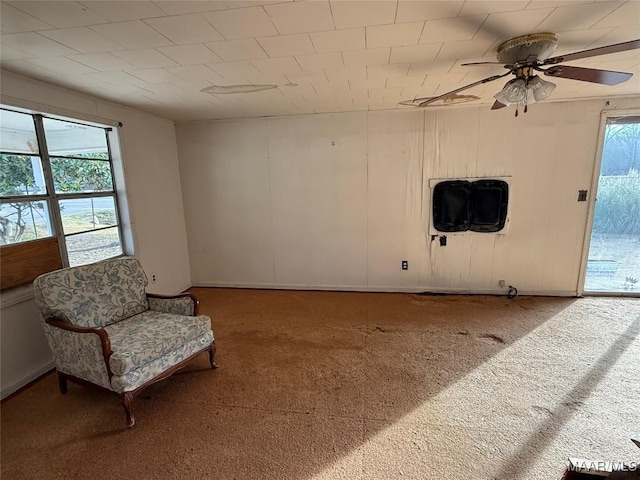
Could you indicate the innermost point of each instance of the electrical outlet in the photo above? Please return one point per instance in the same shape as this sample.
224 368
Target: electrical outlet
154 278
501 283
405 264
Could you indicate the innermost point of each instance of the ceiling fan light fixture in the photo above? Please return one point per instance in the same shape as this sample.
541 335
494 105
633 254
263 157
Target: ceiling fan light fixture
540 88
515 91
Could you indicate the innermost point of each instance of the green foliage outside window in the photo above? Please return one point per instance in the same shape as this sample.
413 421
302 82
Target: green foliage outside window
24 220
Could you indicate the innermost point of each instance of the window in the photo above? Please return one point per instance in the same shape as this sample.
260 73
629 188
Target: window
479 206
56 181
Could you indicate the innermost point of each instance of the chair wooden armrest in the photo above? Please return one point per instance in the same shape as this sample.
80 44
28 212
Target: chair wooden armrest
196 302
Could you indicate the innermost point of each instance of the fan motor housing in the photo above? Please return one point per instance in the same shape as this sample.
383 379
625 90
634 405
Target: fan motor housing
528 48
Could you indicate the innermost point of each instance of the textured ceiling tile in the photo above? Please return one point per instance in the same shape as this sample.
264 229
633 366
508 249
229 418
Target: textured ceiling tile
36 44
116 78
196 54
431 68
61 65
556 3
307 77
121 11
577 17
367 84
628 14
347 14
578 39
271 78
29 69
103 62
415 53
358 72
287 45
277 65
413 81
339 40
451 29
378 56
185 29
146 58
60 14
233 69
183 7
82 39
195 73
414 10
13 20
236 50
242 23
394 35
445 82
388 71
479 7
154 75
135 34
463 50
339 72
10 53
510 24
301 17
617 35
320 61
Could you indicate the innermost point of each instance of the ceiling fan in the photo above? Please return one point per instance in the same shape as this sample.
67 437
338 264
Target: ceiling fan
523 57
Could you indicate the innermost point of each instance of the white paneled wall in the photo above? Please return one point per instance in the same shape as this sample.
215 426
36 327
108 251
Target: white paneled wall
229 223
318 178
339 200
394 149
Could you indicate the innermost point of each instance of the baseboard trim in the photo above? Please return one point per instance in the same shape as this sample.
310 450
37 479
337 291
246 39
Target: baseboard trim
26 380
388 289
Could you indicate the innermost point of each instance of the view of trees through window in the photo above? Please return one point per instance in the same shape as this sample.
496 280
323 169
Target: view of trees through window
56 180
614 254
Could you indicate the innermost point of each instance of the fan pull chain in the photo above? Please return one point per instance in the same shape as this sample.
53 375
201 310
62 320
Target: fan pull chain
516 109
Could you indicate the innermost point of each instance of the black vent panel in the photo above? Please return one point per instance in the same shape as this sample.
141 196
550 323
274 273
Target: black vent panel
480 206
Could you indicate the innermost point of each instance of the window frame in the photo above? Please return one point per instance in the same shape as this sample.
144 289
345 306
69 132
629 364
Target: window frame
53 198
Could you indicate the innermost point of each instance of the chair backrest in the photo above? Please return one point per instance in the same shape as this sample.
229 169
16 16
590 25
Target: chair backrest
93 295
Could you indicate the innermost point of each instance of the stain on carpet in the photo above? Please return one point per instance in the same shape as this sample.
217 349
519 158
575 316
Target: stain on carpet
541 410
490 338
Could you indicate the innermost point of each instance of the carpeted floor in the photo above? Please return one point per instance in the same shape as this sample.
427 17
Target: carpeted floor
328 385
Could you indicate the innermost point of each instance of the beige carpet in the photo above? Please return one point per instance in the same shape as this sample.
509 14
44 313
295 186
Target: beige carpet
326 385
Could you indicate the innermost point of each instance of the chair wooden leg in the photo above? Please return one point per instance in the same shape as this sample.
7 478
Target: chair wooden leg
212 353
62 382
127 402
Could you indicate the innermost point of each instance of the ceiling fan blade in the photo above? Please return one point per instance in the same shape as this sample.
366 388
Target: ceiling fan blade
593 75
480 63
453 92
413 103
594 52
497 105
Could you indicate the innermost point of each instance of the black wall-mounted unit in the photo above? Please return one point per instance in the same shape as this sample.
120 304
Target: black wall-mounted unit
452 206
480 206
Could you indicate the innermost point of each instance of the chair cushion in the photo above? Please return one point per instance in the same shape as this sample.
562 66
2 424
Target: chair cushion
93 295
146 373
142 338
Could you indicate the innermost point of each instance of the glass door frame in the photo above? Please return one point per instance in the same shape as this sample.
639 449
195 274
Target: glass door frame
597 167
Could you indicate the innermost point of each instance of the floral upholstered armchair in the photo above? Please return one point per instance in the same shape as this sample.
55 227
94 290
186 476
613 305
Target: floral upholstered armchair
103 328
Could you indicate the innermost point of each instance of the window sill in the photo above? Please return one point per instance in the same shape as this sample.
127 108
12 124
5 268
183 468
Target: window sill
16 296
